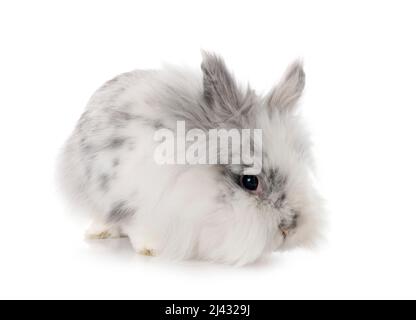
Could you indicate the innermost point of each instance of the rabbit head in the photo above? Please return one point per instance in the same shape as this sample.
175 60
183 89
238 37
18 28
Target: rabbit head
276 207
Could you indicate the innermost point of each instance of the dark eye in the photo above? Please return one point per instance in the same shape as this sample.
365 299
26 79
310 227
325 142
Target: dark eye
249 182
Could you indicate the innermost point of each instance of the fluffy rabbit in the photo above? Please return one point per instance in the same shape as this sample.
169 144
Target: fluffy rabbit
213 212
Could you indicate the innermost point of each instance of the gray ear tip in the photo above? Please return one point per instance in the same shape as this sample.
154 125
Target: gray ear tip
296 69
285 95
296 73
210 59
206 54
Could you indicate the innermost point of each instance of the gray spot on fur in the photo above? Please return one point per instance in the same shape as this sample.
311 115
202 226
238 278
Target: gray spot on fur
117 143
116 162
289 223
104 181
157 124
154 123
86 148
276 180
122 118
118 115
88 171
280 201
120 211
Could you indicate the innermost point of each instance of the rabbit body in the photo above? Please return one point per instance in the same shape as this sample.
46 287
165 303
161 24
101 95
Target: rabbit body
184 211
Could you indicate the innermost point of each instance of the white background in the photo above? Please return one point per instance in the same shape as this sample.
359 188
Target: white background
360 103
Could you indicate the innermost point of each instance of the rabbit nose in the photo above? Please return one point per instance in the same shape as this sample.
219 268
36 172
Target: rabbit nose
284 232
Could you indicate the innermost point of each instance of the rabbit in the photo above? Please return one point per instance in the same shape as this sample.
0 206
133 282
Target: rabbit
210 212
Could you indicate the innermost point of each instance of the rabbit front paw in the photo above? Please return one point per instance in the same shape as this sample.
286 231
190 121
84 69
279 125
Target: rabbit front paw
99 231
147 252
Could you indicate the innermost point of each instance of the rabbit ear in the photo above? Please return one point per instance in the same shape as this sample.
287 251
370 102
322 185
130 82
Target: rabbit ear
285 95
220 88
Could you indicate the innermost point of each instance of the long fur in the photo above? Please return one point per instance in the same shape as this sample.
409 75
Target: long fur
192 211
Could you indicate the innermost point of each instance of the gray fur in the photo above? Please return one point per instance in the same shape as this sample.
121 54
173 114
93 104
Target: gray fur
86 148
122 118
219 103
116 162
117 143
289 223
104 181
120 211
289 90
280 202
225 100
275 179
119 117
158 124
219 85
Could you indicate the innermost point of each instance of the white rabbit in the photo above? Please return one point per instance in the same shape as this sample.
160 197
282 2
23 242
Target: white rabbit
212 212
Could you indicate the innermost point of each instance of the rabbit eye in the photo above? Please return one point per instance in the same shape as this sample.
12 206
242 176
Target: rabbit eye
250 183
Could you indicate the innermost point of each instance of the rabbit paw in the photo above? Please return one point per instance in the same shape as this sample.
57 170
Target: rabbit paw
147 252
99 231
